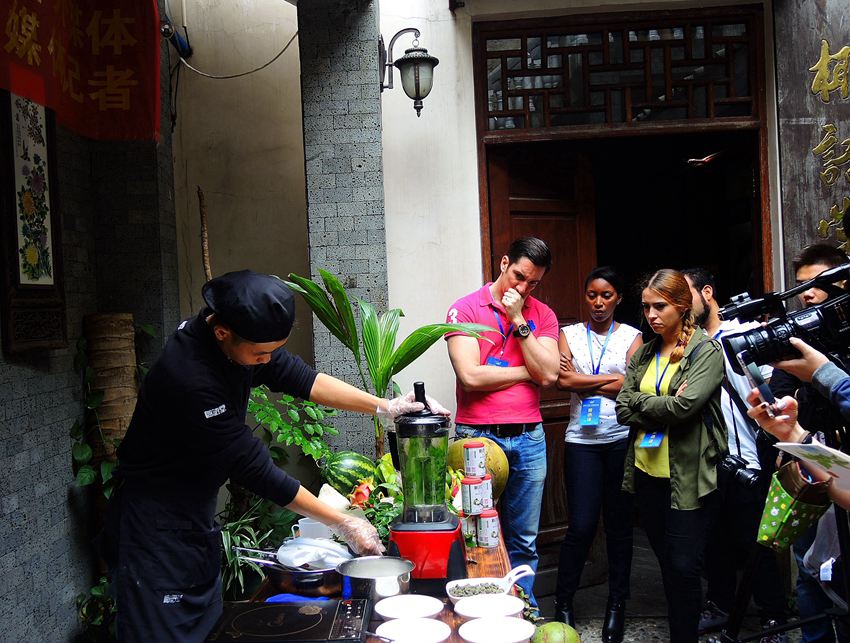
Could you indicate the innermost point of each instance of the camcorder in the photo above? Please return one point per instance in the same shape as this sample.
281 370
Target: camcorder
824 326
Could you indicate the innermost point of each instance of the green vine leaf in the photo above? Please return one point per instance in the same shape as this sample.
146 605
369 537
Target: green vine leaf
86 475
81 452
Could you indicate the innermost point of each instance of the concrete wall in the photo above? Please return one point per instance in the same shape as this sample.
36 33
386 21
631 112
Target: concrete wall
431 166
241 141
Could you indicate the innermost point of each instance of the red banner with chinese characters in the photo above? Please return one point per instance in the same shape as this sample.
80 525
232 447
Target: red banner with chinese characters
94 62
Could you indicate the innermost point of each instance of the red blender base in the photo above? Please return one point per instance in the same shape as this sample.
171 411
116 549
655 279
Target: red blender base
435 554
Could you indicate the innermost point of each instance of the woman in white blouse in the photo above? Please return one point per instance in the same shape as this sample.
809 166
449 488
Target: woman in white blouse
594 357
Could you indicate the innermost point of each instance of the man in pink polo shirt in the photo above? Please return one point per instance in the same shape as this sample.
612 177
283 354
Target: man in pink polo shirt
498 385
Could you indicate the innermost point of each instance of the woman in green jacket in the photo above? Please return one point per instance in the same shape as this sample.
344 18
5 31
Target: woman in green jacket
671 400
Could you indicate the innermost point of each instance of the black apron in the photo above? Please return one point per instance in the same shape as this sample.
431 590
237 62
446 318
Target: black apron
166 569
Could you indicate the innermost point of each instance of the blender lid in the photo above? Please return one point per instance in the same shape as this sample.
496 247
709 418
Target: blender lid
421 422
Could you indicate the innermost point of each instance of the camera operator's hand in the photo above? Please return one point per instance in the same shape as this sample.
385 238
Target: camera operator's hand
803 367
783 427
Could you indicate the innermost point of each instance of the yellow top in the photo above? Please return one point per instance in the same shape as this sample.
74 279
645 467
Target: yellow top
655 461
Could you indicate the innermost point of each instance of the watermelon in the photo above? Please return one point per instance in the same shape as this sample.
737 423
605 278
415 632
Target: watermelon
344 470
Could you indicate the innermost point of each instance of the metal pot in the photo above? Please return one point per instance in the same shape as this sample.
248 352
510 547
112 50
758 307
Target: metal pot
375 577
305 582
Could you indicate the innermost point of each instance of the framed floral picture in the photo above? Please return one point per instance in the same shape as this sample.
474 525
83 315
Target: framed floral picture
33 298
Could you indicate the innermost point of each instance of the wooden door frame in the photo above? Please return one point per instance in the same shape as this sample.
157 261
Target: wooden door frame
486 138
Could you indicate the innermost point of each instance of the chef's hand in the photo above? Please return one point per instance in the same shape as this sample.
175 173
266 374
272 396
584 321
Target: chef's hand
803 367
359 534
408 404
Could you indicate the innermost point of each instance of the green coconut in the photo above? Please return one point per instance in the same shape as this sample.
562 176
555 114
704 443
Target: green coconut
555 633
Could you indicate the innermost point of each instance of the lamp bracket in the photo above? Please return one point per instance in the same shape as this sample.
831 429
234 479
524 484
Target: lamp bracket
385 57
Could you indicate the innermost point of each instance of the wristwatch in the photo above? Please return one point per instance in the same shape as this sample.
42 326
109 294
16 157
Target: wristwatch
522 330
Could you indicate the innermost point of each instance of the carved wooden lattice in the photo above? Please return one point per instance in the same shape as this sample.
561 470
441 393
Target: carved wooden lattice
667 69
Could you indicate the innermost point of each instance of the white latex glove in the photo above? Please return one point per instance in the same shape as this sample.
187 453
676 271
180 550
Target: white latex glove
408 404
359 534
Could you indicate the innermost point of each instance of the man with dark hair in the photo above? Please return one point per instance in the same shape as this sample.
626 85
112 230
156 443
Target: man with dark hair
498 385
816 414
188 437
733 539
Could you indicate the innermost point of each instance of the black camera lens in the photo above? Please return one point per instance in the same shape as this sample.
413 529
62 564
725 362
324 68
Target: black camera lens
736 467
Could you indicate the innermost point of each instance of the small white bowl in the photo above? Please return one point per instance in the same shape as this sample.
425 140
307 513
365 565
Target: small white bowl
409 606
415 630
489 605
496 629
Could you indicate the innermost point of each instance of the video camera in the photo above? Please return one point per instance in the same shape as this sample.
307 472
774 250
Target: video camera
824 326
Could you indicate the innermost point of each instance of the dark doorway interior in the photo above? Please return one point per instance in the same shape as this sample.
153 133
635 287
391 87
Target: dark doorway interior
655 208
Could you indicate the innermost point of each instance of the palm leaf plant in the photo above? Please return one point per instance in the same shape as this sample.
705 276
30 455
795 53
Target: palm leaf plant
378 334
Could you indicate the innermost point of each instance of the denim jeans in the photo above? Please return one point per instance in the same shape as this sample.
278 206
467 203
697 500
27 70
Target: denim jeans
811 599
593 475
519 505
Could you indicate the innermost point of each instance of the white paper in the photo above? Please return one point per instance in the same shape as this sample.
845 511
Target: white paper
821 457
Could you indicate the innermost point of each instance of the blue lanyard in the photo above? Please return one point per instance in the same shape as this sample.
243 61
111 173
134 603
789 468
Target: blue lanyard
502 330
595 367
658 380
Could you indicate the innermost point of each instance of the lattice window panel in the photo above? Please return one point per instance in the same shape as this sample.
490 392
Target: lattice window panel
566 77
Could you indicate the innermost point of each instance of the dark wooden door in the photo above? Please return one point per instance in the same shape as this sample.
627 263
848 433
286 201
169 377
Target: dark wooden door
547 191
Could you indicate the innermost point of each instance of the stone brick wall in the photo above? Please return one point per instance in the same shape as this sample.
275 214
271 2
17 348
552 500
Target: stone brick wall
342 147
44 560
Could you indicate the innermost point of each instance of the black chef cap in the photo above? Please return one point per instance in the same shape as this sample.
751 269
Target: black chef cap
259 308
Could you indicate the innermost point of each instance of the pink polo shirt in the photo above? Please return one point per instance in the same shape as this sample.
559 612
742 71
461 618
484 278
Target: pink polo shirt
520 402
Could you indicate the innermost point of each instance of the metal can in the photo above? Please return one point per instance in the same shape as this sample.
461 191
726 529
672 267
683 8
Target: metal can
474 459
469 529
488 528
487 491
470 489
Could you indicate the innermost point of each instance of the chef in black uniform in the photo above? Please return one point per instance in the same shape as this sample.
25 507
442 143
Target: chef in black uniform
188 437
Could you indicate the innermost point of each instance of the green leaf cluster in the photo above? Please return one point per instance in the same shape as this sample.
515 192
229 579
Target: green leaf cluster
378 334
289 421
86 473
96 612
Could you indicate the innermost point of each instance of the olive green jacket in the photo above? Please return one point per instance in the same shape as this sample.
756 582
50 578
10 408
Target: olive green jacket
693 421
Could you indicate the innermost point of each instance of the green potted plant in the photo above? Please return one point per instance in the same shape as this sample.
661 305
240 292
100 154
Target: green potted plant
377 332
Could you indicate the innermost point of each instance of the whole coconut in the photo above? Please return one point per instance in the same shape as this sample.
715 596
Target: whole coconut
496 462
555 633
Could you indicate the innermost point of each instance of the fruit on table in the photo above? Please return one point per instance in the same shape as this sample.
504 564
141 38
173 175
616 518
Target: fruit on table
362 492
555 633
496 462
344 470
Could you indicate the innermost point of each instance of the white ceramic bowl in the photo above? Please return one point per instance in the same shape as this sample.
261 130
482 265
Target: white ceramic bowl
496 629
489 605
409 606
415 630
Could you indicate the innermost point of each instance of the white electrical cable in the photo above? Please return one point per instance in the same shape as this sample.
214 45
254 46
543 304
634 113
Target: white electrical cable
245 73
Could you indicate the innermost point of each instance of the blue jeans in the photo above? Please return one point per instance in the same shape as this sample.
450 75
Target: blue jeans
593 475
519 506
811 599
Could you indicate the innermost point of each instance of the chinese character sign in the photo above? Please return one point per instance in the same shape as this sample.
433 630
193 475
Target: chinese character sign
833 152
95 62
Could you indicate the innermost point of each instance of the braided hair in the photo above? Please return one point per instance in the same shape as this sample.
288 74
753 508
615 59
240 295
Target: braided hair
672 286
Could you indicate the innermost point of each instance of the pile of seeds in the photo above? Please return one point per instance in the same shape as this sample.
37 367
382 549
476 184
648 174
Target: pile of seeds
472 589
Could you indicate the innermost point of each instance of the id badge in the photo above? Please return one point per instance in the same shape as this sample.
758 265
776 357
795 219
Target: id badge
495 361
652 440
590 409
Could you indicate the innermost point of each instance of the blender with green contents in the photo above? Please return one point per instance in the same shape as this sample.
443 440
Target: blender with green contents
426 533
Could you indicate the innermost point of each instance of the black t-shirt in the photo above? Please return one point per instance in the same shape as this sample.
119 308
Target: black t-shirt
815 413
188 433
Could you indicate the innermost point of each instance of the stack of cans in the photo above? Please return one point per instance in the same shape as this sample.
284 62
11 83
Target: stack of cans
480 522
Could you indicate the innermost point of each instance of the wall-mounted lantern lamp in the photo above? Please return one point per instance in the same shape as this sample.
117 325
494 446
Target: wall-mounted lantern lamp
416 68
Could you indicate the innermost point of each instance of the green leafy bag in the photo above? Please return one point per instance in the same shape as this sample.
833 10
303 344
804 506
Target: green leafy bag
793 505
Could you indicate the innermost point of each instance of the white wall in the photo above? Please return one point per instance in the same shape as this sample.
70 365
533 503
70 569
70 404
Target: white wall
241 140
431 170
